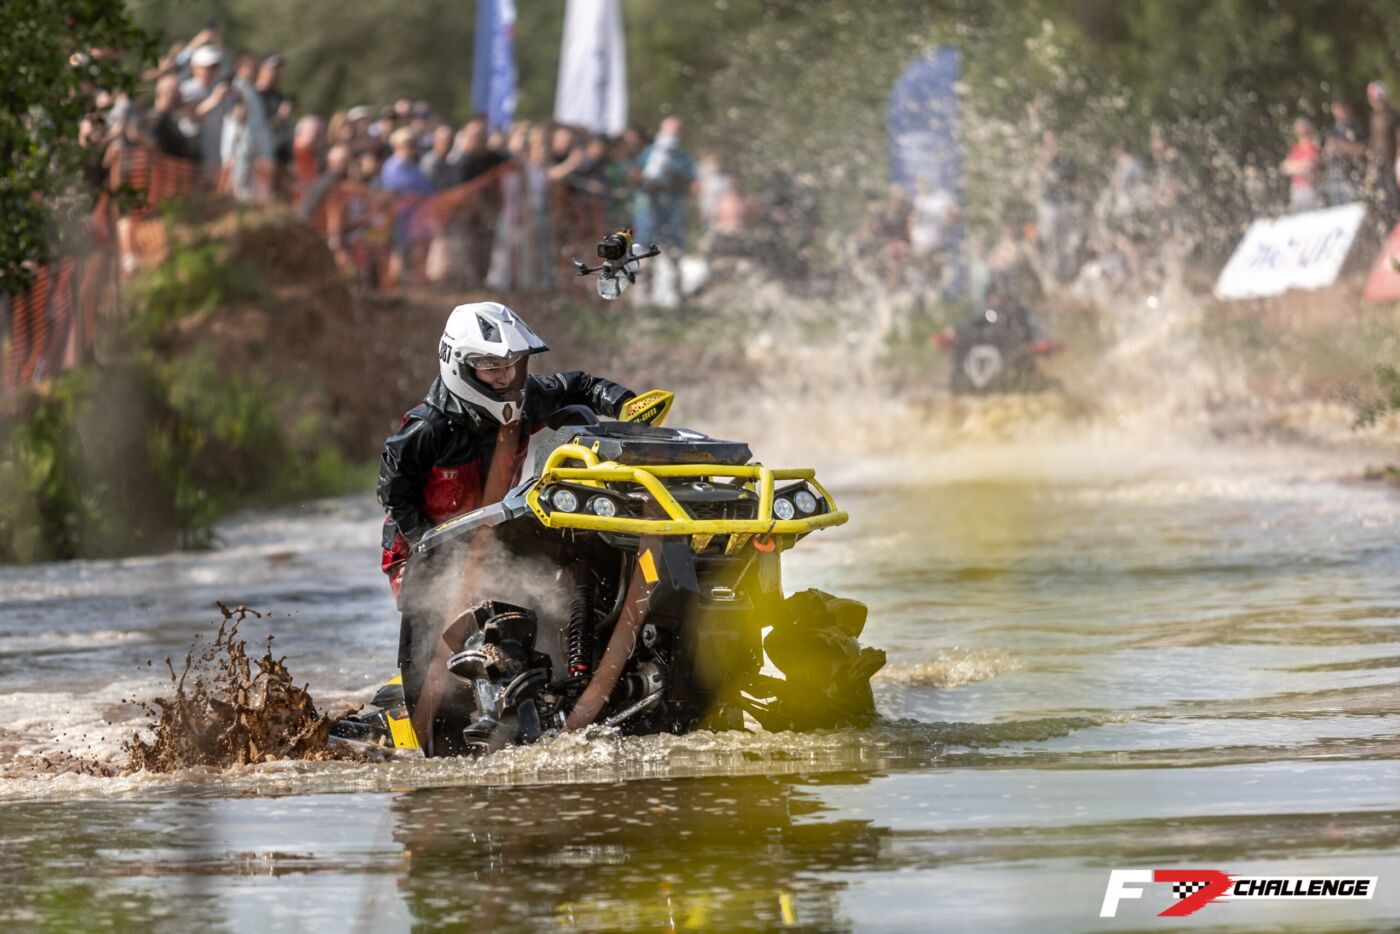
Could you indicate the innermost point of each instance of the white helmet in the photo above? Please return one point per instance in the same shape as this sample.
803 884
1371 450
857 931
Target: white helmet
489 334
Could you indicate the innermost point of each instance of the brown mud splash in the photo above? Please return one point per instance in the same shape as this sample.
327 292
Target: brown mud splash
224 713
53 763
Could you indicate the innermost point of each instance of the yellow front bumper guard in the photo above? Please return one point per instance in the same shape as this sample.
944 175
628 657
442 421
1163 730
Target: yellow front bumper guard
677 521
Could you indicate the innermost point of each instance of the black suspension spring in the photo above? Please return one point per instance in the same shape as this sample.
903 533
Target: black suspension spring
579 635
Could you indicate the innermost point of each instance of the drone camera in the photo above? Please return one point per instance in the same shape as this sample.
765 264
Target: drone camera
616 246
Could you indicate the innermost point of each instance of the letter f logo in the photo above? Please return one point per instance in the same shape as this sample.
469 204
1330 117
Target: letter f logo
1118 880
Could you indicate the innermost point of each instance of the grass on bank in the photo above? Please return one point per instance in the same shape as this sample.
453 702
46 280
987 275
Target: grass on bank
170 429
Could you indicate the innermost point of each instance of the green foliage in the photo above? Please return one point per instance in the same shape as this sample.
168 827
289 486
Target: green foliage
374 51
148 454
196 278
1388 381
339 56
1223 78
149 450
53 57
76 479
809 92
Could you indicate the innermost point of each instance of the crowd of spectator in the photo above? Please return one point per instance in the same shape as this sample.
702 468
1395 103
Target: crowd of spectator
1117 229
400 189
1123 228
1347 166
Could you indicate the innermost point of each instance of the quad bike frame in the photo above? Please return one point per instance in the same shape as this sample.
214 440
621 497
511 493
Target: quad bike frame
673 573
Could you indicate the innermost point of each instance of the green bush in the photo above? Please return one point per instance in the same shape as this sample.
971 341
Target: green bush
196 277
148 450
148 454
1388 379
77 479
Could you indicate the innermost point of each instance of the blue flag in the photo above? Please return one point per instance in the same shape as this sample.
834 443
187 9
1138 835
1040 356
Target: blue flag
925 153
493 62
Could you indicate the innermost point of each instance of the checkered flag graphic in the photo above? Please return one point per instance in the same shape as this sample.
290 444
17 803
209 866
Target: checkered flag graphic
1186 889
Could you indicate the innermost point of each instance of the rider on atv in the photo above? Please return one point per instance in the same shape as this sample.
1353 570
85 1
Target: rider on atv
628 581
995 350
463 446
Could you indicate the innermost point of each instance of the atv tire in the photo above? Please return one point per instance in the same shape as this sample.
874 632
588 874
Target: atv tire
827 670
489 647
420 636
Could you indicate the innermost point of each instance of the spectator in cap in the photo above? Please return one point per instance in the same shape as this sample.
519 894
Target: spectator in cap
1301 168
204 74
360 118
180 61
1380 153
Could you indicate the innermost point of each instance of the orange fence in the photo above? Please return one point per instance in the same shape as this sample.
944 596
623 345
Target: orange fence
378 237
51 326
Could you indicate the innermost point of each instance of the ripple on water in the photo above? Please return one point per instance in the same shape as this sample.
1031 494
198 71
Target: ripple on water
597 754
952 667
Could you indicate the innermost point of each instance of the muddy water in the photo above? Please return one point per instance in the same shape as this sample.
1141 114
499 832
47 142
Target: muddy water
1101 656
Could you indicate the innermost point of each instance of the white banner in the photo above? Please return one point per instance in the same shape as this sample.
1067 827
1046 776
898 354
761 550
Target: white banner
1297 251
592 90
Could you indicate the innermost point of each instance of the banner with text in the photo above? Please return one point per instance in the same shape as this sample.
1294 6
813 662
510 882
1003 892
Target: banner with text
1298 251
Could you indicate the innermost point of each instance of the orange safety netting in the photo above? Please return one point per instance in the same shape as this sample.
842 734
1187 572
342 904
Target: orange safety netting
377 237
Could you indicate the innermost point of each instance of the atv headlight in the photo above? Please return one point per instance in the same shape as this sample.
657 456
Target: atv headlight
564 500
782 508
602 506
806 503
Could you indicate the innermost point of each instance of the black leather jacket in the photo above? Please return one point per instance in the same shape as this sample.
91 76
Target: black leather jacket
433 467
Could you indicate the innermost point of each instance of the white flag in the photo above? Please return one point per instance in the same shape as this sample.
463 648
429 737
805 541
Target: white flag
592 91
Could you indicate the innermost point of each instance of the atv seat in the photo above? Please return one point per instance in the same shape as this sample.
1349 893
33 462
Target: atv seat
633 443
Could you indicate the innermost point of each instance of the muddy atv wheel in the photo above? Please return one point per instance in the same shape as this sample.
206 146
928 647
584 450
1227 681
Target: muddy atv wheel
485 672
814 644
424 641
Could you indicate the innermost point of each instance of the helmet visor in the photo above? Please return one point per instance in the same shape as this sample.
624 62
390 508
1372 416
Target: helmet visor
478 361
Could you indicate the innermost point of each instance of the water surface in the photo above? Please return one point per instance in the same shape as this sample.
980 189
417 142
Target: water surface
1185 662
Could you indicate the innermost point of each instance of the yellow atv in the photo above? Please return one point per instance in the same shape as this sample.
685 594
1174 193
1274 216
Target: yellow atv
628 582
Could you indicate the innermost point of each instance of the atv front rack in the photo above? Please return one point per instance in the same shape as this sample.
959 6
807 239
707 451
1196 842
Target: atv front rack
596 475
